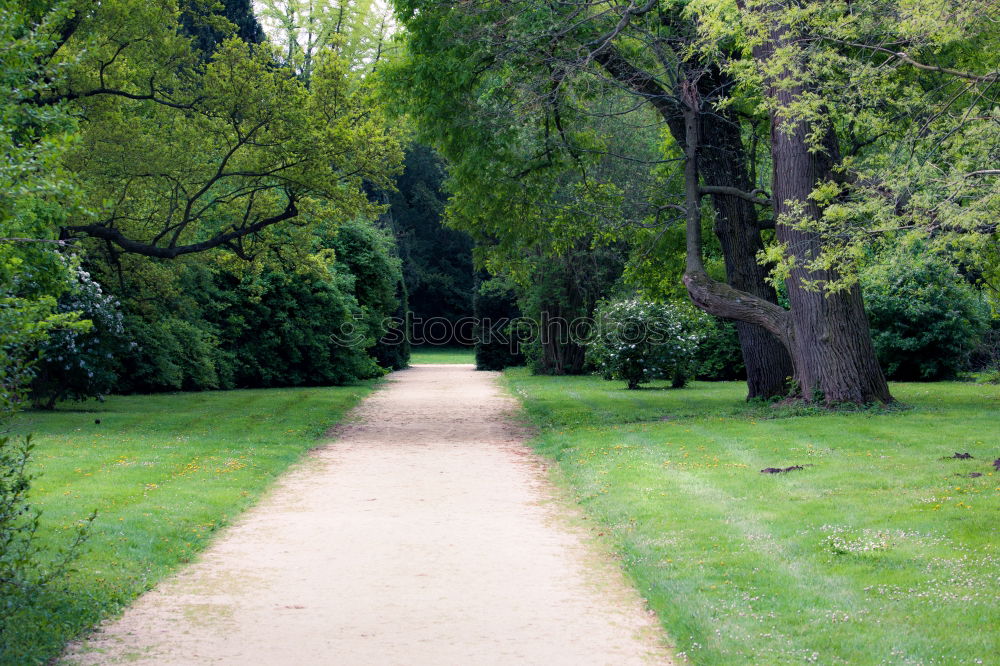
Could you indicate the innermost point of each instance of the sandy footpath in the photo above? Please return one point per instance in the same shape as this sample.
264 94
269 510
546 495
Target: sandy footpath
425 532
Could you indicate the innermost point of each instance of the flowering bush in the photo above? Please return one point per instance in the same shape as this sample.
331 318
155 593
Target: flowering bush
80 363
638 341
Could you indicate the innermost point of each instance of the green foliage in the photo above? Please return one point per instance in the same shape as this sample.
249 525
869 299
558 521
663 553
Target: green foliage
718 356
283 336
368 254
356 29
926 319
211 22
392 351
904 86
437 260
559 294
638 341
267 329
76 363
182 155
170 354
36 193
26 565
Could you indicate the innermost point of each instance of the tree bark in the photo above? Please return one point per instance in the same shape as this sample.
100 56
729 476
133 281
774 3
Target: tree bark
826 335
724 163
834 357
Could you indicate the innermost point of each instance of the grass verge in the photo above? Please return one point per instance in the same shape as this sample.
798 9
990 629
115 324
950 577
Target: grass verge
882 548
164 473
442 355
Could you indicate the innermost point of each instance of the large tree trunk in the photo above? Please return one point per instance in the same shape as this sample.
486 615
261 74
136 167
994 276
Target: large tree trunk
826 335
724 163
832 347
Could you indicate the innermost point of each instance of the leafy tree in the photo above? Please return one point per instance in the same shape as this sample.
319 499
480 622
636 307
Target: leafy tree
516 94
561 295
495 312
180 155
704 68
368 253
841 104
283 337
357 29
201 20
203 322
36 194
238 164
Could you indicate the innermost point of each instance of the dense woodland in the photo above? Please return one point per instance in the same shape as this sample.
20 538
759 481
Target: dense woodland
206 195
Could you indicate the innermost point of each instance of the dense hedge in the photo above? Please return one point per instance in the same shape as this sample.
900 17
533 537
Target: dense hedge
208 323
926 319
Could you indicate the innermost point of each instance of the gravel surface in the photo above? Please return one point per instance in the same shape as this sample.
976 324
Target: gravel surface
423 532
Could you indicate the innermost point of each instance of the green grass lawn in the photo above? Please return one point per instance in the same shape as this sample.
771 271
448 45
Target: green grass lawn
164 473
880 550
442 355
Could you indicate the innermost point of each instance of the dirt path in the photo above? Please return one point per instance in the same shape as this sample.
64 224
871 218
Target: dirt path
426 533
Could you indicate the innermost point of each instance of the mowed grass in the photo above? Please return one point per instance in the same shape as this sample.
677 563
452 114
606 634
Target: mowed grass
164 473
442 355
881 550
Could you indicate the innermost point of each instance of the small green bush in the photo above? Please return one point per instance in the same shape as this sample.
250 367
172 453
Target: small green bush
24 566
638 341
925 318
719 357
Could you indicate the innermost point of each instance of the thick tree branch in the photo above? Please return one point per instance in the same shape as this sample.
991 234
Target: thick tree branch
712 296
639 81
735 192
151 97
226 239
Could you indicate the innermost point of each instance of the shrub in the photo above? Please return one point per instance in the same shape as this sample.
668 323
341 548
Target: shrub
369 253
76 363
24 567
719 357
925 318
172 354
638 341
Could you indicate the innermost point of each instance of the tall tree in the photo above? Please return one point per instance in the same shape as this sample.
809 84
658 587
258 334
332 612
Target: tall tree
437 260
705 66
465 57
180 156
202 22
